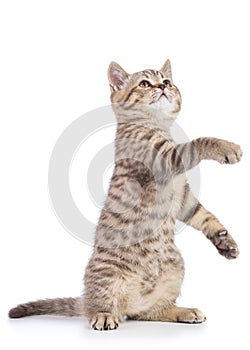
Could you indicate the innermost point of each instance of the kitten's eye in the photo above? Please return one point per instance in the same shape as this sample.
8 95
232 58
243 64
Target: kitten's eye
144 84
166 82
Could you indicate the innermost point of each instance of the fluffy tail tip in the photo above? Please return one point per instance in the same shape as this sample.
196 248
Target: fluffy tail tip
17 312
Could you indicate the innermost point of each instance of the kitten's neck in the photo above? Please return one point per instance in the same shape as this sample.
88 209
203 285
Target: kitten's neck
145 116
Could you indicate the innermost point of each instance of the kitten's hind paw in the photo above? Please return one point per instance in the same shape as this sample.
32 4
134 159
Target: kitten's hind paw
226 245
104 321
188 315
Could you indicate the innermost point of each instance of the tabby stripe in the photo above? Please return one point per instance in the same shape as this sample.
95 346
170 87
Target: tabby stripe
151 240
185 194
185 216
114 263
117 177
147 74
118 186
147 135
113 196
174 158
193 153
163 164
131 105
182 149
159 166
197 149
118 216
206 144
166 151
191 212
109 228
125 127
198 208
158 145
127 261
99 284
205 221
129 94
153 72
102 272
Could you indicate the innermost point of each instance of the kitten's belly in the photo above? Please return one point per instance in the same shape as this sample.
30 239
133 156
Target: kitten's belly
163 294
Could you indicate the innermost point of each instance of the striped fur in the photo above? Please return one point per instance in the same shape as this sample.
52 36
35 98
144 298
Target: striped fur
135 269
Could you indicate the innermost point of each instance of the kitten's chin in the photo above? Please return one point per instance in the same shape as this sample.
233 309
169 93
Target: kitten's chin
164 109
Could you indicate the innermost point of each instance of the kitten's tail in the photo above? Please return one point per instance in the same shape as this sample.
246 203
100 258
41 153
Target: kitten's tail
59 306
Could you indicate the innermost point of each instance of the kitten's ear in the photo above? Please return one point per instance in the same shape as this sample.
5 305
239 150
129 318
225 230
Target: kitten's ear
166 69
117 76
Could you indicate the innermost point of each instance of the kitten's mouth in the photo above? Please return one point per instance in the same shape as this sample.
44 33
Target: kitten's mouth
161 99
163 96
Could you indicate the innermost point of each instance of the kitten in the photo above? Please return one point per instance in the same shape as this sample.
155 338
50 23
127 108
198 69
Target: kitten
136 271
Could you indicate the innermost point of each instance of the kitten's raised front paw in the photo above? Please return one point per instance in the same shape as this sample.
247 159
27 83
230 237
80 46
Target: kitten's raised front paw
226 245
227 152
104 321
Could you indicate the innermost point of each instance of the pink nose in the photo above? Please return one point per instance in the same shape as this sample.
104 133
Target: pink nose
161 86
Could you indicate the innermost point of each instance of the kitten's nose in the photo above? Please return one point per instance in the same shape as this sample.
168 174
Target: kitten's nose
161 86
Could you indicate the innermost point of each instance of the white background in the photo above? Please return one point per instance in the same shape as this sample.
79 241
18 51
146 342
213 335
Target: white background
54 58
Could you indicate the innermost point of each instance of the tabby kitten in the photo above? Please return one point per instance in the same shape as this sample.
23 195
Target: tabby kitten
136 271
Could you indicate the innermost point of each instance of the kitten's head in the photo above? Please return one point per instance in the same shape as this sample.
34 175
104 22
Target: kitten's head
149 88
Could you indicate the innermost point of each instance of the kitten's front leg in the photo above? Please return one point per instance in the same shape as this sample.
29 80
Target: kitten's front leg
187 155
205 221
194 214
224 152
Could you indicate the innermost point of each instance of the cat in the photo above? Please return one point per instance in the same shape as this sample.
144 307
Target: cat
136 271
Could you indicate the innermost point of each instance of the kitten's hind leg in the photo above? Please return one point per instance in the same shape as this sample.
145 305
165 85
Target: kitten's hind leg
184 315
173 314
